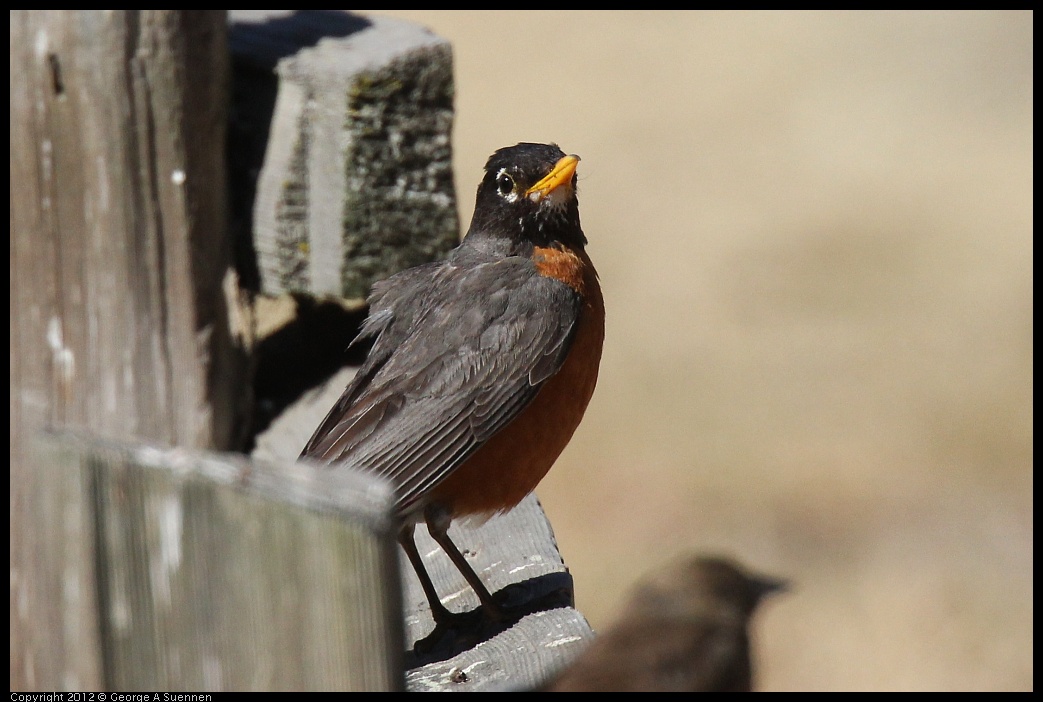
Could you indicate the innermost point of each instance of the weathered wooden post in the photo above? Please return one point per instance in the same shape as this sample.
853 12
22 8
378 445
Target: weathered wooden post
218 572
119 252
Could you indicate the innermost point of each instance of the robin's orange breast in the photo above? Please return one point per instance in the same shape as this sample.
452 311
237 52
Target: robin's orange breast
511 463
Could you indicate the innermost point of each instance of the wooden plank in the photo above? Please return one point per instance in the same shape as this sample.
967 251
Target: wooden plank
515 551
215 572
516 660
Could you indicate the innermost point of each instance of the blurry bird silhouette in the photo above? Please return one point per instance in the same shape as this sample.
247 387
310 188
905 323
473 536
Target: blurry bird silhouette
684 628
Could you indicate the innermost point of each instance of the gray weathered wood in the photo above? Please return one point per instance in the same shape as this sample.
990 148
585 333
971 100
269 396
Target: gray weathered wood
357 178
119 255
519 659
507 550
515 550
215 572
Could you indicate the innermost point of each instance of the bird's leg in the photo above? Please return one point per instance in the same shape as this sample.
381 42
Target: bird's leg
464 626
438 526
441 615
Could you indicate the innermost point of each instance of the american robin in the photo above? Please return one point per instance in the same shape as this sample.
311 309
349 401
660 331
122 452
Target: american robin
482 364
684 629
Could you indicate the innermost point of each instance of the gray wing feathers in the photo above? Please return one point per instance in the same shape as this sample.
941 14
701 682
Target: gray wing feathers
448 370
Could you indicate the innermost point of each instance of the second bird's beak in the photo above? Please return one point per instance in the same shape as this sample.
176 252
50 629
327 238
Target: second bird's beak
559 175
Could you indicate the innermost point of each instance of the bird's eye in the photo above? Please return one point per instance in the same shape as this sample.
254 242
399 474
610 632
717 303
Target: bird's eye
505 184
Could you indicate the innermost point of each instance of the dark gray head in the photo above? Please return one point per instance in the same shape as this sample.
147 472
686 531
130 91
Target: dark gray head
528 193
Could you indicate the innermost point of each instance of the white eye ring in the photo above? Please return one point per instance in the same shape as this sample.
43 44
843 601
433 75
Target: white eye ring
504 183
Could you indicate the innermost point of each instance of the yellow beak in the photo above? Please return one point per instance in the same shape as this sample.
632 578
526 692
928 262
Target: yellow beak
560 174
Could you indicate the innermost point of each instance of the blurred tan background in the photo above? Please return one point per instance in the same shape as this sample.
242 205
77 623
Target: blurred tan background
814 233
